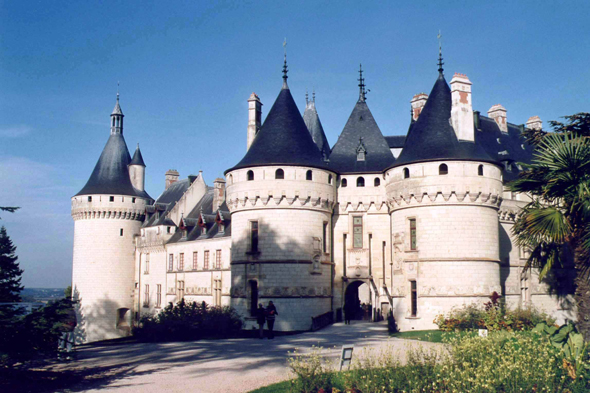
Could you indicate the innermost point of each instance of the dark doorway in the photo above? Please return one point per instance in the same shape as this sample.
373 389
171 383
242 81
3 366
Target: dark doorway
357 301
253 287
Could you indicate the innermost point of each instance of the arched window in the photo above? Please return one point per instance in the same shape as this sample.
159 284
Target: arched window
309 175
443 169
329 179
406 173
250 175
344 183
230 179
279 174
480 170
360 181
377 182
113 121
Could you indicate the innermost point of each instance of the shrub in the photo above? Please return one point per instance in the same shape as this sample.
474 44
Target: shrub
189 321
314 374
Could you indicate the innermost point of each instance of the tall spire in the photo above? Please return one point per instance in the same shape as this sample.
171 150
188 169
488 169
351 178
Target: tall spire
117 117
285 69
440 59
306 97
362 91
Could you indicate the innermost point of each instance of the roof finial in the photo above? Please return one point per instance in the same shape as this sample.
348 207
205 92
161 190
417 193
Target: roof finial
313 96
117 90
440 60
306 97
362 91
285 69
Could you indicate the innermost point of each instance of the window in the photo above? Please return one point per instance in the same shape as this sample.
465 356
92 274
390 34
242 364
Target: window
250 175
412 234
344 183
195 264
230 179
309 175
132 200
253 289
146 296
330 179
377 182
360 181
218 259
89 199
480 170
180 290
170 262
279 174
206 260
254 236
168 229
217 292
158 295
121 232
325 234
413 298
406 173
357 230
181 262
147 263
443 169
111 199
203 230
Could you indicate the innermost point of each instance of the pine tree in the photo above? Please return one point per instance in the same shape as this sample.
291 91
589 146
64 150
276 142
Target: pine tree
10 273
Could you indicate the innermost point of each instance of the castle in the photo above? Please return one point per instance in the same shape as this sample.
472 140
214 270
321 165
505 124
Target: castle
413 224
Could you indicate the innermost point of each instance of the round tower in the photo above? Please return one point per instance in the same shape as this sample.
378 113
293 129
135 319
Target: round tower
281 196
444 196
107 214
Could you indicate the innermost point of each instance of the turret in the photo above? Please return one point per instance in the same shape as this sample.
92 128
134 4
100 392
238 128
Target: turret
137 170
314 125
254 118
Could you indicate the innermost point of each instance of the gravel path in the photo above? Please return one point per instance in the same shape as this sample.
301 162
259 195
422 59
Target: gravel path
214 366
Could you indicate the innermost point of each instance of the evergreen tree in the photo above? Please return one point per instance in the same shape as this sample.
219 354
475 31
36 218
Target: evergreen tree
10 273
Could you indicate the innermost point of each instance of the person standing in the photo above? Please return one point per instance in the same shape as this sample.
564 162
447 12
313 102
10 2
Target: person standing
260 318
271 313
347 313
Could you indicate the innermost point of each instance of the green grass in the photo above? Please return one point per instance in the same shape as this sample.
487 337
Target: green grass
434 336
281 387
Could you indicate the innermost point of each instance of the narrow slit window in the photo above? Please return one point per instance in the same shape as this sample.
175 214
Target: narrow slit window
412 234
254 236
325 237
195 260
480 170
414 298
406 173
121 233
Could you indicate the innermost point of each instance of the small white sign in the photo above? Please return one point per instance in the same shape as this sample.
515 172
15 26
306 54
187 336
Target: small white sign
483 332
346 357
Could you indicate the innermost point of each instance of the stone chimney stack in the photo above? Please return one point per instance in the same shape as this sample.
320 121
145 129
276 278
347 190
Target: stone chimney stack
498 113
218 193
418 103
254 117
534 123
462 110
171 177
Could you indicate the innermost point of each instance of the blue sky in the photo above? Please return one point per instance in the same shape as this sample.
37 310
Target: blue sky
187 68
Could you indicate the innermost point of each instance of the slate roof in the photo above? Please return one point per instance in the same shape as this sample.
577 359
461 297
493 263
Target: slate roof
158 211
395 141
111 174
314 125
283 139
137 158
204 210
344 153
432 138
117 110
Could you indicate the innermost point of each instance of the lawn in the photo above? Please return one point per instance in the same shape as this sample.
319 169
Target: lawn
434 336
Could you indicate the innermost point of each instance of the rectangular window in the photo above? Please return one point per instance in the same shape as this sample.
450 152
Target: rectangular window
132 200
158 295
217 292
147 263
254 236
206 260
325 240
180 290
413 234
89 199
167 229
195 259
181 261
357 230
121 233
146 296
170 262
112 199
218 259
414 298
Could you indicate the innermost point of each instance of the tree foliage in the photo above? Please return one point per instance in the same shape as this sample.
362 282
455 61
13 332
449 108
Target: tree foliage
10 273
555 226
10 209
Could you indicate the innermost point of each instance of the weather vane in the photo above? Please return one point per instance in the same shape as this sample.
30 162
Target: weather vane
117 90
285 69
440 60
362 90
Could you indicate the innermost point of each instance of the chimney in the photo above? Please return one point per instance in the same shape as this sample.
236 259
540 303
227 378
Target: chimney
254 116
534 123
462 110
218 193
498 113
418 103
171 177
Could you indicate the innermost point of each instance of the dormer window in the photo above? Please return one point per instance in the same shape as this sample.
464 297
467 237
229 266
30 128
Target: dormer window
203 230
361 151
221 228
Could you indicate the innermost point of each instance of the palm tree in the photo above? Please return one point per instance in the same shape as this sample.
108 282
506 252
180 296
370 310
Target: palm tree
555 226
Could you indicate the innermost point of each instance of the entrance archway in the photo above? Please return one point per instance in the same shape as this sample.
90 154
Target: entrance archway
357 300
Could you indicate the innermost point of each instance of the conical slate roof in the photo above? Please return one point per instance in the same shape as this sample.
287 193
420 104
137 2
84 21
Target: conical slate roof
111 175
314 125
361 124
137 158
117 110
432 137
283 139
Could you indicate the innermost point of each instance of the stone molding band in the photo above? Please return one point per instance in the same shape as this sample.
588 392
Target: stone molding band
117 214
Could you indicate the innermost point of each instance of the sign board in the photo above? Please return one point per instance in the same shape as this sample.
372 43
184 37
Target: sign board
483 332
346 357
